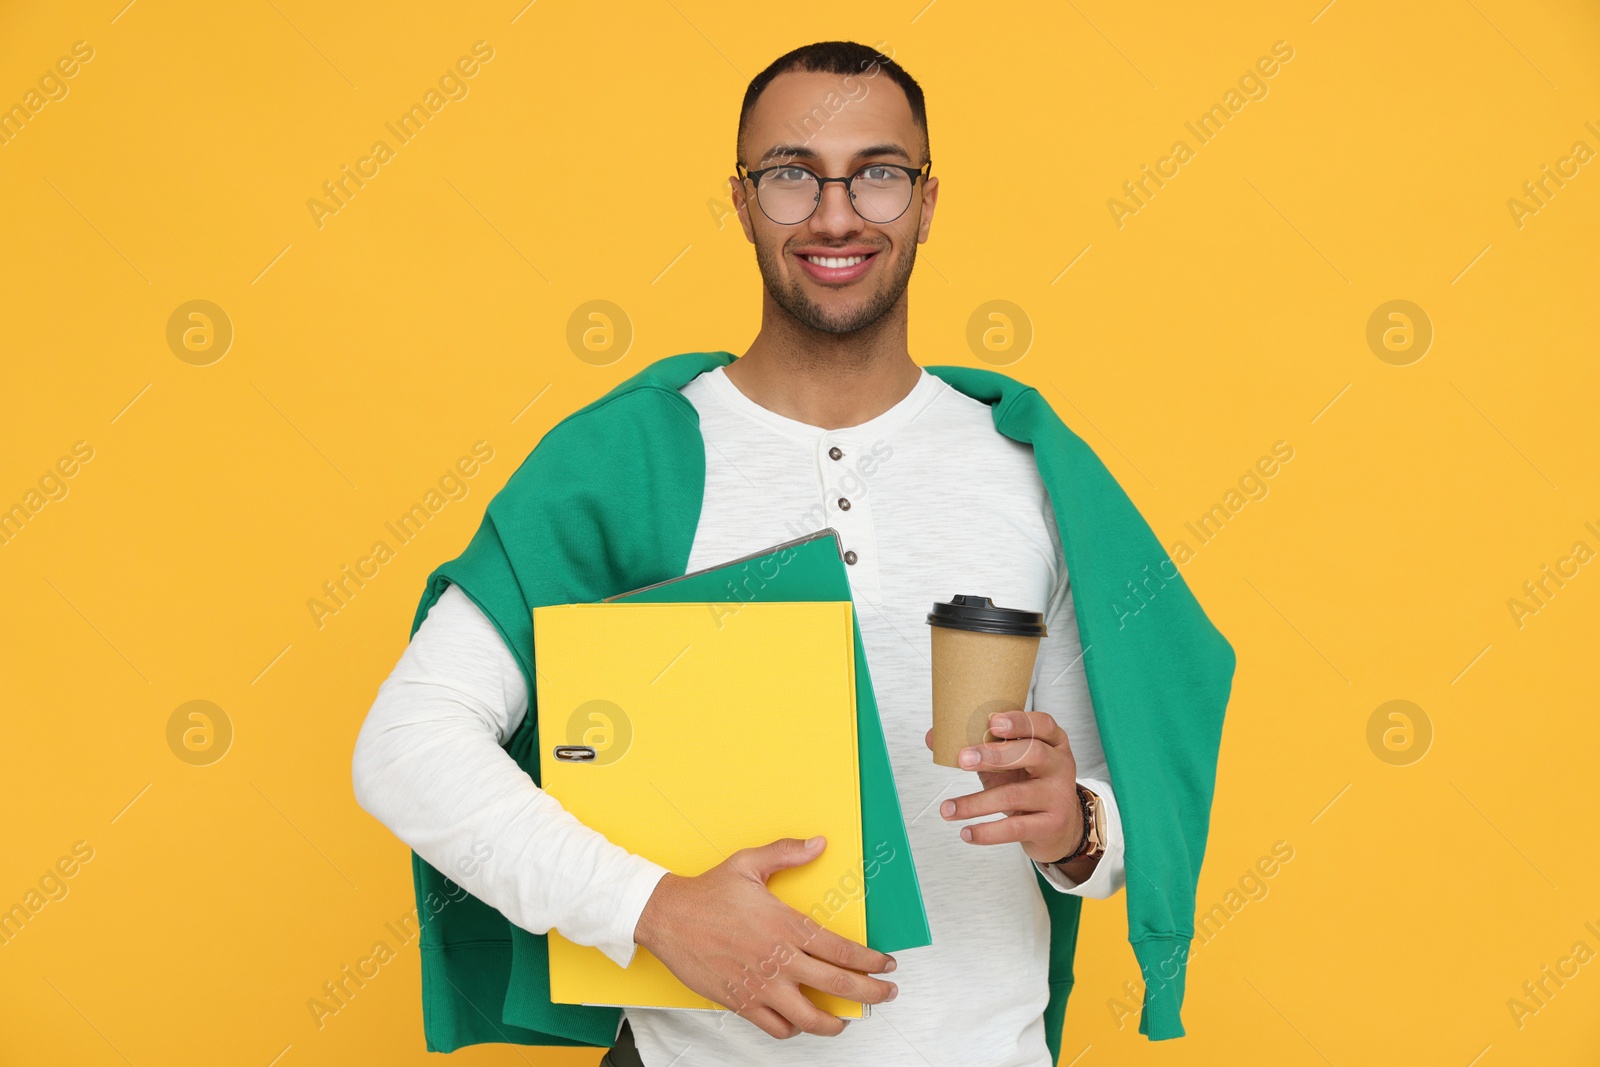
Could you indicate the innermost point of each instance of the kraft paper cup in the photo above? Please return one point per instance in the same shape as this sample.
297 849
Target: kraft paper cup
983 660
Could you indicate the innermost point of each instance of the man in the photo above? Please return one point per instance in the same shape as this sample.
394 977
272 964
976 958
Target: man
824 421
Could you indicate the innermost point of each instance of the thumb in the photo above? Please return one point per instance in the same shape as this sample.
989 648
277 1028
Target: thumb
783 853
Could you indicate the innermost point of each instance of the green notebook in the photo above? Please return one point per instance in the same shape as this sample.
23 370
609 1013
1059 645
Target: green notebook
812 568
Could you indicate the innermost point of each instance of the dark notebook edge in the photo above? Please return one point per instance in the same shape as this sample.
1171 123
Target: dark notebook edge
826 531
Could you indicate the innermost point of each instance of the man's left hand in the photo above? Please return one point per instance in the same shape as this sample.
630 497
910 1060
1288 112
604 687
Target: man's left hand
1029 775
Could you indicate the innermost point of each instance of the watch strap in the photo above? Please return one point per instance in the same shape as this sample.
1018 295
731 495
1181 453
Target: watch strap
1091 843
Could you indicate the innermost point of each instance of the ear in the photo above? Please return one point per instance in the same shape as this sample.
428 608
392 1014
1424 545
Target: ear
930 198
741 204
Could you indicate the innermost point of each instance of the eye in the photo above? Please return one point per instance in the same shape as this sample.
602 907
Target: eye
790 174
878 173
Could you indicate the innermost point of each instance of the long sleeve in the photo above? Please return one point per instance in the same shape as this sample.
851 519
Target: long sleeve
1061 688
429 765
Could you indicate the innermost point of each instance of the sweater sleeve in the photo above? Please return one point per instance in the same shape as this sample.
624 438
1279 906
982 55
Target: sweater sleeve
1061 688
429 764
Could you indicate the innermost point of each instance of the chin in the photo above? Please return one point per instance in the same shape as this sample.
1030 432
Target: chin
835 326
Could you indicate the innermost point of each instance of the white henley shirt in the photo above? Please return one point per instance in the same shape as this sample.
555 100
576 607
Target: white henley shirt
929 500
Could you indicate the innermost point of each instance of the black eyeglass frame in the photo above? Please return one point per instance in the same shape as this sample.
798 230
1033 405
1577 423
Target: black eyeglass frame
924 172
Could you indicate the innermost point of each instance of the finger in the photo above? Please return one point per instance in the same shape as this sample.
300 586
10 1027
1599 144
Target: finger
1034 826
990 779
763 860
797 1008
825 945
827 978
1036 724
1032 794
927 738
769 1020
1026 753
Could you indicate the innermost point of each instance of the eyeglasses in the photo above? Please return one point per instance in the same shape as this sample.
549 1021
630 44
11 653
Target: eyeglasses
879 192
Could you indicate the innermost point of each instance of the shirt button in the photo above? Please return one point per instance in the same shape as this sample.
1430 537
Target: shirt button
834 453
844 505
850 557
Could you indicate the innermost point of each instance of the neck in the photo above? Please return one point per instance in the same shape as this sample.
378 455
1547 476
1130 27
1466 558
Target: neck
828 380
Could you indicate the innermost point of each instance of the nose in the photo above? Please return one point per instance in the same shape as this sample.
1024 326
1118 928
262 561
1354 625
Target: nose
834 215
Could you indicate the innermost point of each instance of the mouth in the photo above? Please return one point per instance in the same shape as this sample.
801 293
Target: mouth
837 269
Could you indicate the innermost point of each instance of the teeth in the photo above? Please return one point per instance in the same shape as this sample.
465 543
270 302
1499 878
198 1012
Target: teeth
835 261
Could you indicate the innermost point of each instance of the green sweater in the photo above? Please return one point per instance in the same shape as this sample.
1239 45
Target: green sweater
609 500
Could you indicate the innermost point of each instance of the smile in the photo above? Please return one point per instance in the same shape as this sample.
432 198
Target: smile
837 270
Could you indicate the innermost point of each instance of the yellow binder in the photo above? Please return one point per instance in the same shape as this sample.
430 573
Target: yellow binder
686 731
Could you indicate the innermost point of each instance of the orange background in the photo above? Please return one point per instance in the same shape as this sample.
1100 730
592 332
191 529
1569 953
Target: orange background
588 161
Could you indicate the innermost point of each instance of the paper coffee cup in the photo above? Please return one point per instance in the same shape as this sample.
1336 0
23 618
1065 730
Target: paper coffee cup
983 659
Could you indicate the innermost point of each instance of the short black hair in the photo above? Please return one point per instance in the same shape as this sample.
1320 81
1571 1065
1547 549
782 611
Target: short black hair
836 57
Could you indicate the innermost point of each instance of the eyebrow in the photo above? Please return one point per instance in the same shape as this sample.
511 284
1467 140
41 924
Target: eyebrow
800 151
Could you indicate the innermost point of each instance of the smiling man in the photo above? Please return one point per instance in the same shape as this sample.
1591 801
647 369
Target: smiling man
933 487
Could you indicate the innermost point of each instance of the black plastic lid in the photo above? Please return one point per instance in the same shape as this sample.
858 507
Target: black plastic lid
978 613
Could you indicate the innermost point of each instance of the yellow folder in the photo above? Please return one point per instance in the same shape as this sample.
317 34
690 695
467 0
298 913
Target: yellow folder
687 731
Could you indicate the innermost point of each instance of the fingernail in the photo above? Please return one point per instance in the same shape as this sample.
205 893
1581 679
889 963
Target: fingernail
948 808
998 723
891 965
813 842
894 991
968 757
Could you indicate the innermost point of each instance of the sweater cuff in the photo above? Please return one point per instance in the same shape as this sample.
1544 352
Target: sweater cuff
1110 874
632 895
1164 962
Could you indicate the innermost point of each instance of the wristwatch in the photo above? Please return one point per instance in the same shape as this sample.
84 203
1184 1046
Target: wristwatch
1094 826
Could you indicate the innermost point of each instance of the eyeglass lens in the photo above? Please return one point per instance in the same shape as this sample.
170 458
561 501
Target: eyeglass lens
789 195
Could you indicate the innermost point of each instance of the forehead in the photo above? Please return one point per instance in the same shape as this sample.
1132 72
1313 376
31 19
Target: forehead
835 115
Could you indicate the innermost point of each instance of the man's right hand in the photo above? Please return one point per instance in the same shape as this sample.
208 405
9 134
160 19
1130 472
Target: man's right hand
725 936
